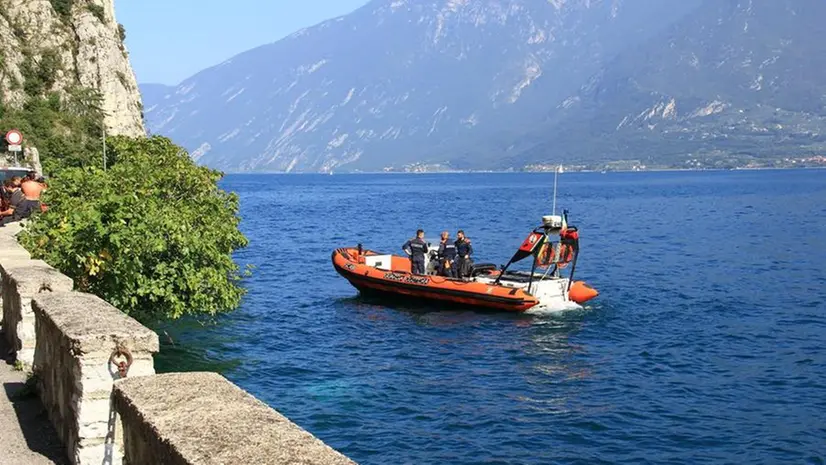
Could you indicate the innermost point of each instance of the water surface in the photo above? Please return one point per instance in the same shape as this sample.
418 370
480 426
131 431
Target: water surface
705 346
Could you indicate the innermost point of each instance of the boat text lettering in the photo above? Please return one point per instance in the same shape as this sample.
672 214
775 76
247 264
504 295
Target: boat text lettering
406 278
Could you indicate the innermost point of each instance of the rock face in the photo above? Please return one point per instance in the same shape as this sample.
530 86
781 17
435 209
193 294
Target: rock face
505 83
69 43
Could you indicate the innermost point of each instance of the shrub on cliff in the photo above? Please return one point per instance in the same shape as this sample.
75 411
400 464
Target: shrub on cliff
66 129
153 235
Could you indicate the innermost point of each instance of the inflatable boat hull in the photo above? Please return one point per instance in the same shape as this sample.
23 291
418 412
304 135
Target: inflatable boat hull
396 280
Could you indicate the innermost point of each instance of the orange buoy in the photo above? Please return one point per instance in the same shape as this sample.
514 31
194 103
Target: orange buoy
581 292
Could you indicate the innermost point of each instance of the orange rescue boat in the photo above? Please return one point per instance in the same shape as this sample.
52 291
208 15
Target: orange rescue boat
554 247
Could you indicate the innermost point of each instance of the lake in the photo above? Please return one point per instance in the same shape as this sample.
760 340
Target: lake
706 344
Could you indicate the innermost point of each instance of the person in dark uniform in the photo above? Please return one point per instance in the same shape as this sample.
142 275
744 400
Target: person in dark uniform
463 251
416 248
447 256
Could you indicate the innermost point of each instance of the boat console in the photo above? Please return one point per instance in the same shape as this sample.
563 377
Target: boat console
382 262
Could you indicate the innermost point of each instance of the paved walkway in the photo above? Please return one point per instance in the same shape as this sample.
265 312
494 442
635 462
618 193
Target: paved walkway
26 435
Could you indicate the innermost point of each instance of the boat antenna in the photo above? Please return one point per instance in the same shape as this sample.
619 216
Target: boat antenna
556 177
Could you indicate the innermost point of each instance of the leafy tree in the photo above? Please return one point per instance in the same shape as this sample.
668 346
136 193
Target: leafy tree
153 235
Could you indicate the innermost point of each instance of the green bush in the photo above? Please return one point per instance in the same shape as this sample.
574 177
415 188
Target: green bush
122 35
63 7
39 75
153 235
97 11
66 131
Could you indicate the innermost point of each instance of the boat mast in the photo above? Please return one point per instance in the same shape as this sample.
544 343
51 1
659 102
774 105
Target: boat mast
556 178
556 255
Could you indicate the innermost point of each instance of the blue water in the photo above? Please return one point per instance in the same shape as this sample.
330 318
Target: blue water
706 344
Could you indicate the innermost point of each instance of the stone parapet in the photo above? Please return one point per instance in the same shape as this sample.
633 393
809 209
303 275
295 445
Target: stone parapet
22 279
10 253
9 248
77 334
201 418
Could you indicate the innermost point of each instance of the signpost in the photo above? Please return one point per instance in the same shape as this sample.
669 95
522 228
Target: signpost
15 141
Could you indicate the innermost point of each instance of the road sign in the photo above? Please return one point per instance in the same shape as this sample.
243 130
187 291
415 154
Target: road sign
15 148
14 137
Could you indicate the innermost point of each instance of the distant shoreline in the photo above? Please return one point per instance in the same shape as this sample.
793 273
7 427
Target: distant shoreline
653 170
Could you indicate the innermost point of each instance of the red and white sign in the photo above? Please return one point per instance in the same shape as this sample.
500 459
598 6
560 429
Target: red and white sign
14 137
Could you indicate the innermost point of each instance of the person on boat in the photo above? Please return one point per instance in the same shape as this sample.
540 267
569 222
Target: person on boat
416 248
463 251
447 256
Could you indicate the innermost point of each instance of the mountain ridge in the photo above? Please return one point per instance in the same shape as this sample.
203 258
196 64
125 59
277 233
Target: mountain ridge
493 84
730 100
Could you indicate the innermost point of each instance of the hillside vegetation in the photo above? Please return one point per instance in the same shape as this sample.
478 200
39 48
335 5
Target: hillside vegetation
148 230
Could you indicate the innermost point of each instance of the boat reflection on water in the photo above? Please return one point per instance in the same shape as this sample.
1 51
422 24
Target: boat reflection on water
561 366
532 361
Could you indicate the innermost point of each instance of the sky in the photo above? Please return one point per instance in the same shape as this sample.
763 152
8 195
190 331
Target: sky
170 40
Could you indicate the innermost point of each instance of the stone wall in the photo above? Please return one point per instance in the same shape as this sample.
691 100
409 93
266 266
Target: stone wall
22 279
10 251
82 347
77 335
201 418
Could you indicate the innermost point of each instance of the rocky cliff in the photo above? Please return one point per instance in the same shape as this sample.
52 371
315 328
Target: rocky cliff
59 45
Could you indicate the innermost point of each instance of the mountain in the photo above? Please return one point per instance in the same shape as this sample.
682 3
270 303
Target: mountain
732 82
400 81
154 92
494 84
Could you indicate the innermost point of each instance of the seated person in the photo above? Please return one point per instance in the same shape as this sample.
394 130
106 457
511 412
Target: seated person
30 191
14 194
